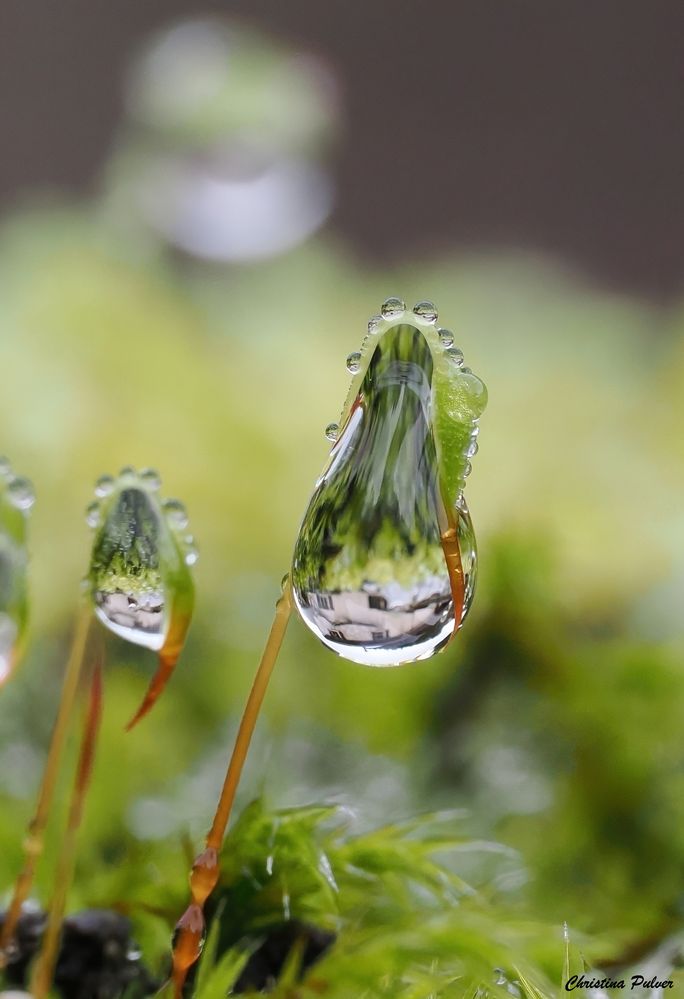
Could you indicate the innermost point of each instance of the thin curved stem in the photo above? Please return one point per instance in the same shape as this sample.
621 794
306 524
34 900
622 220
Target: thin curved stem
47 959
205 871
33 843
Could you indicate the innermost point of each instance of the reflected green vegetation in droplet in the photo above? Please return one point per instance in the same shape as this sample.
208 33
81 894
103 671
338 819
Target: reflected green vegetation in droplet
138 571
369 572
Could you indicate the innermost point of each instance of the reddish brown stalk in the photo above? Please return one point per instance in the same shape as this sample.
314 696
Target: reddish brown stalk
205 870
168 657
452 555
33 843
47 959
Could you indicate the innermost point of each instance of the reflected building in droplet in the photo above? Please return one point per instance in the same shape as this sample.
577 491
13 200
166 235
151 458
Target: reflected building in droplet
385 562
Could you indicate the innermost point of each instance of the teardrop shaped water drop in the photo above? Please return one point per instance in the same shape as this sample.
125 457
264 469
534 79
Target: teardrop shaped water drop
378 574
126 576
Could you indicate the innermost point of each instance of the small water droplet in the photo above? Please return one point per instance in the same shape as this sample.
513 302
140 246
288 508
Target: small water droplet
5 466
456 355
446 338
191 555
105 485
151 478
392 308
473 448
467 469
354 362
374 324
332 431
426 310
176 514
93 514
466 371
20 493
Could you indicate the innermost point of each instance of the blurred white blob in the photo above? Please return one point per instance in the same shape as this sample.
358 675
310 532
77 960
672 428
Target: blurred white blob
226 159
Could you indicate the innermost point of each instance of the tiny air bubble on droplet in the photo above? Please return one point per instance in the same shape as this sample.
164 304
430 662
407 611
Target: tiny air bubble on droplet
468 468
374 324
151 478
392 307
176 514
354 362
93 514
21 494
331 431
473 448
426 310
446 338
105 485
456 355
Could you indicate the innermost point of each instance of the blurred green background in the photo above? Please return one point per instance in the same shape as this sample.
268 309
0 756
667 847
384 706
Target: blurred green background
194 315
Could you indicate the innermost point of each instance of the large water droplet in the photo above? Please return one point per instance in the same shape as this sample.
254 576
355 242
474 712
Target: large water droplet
126 576
382 573
446 338
332 431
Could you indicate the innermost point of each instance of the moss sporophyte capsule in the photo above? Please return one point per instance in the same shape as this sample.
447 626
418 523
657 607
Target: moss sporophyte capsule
385 563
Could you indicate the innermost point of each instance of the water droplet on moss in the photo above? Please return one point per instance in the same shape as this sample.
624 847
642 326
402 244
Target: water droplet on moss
176 514
446 338
379 574
105 485
392 308
456 355
20 493
426 310
332 431
354 362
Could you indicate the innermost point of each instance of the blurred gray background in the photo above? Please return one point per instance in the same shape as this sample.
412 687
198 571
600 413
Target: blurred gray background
541 124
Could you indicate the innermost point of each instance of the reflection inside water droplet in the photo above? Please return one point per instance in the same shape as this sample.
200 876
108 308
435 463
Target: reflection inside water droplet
374 576
127 585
